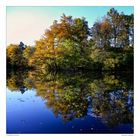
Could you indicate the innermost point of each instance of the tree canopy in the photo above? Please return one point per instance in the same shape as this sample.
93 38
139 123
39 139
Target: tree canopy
69 44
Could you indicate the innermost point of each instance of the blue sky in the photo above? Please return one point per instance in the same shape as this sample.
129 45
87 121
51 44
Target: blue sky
29 23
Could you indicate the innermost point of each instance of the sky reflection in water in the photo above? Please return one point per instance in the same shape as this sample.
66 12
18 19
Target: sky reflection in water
39 102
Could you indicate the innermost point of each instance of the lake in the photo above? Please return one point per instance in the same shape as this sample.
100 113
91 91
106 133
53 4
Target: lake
69 102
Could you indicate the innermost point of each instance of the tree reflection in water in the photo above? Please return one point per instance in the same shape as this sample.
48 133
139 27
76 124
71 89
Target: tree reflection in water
75 95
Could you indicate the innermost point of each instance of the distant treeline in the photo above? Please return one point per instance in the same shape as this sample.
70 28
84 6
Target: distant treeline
69 44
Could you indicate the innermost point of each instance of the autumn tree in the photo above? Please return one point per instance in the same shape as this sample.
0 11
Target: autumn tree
114 30
65 40
14 55
113 38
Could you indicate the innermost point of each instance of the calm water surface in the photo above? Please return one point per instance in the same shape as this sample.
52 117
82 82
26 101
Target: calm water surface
40 102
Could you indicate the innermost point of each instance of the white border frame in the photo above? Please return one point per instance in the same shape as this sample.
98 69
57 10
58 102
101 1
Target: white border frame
4 3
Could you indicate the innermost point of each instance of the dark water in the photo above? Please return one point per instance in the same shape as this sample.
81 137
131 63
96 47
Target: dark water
41 102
